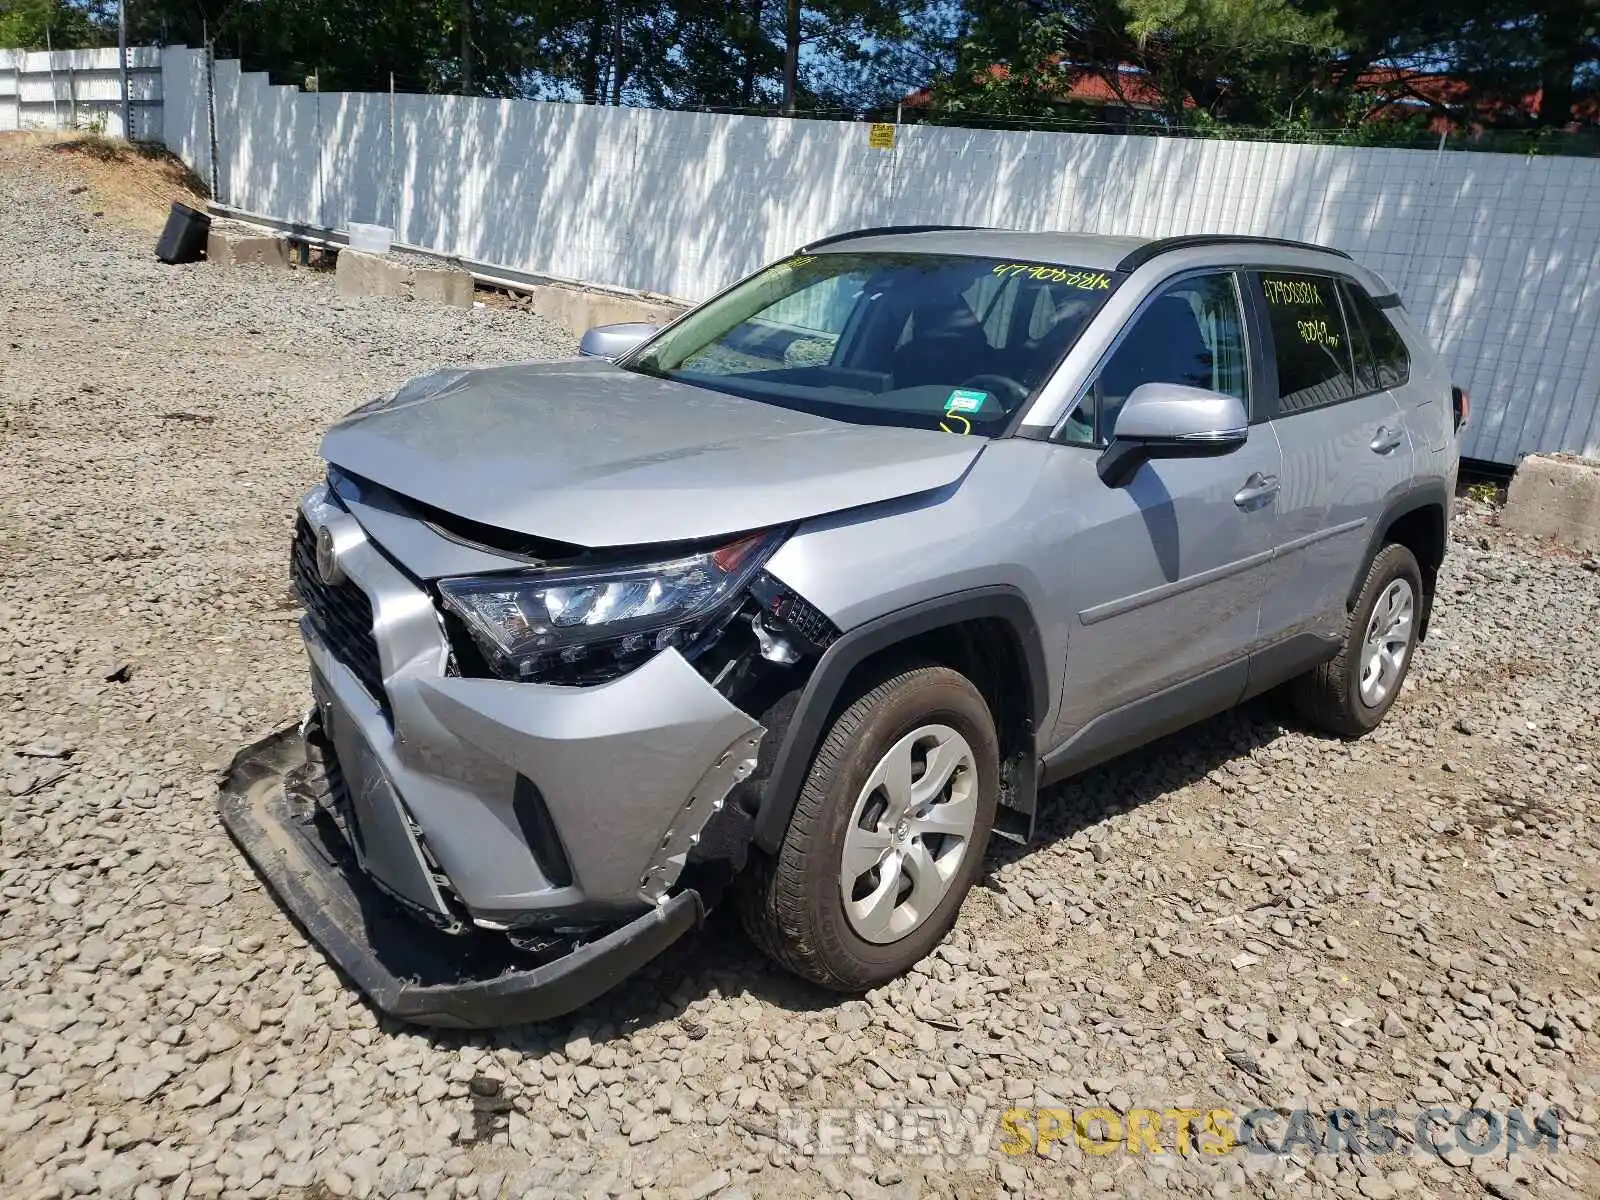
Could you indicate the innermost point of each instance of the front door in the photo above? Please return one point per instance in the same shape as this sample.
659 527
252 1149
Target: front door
1167 573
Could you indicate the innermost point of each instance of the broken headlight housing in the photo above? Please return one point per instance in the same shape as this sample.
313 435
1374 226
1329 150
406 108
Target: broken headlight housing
592 623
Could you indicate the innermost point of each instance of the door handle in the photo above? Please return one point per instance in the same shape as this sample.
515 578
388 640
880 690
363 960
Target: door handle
1257 488
1387 439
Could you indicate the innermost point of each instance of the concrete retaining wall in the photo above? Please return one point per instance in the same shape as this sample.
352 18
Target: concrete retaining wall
405 277
1557 498
229 244
576 310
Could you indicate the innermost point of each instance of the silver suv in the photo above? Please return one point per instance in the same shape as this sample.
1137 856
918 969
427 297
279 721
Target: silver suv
803 597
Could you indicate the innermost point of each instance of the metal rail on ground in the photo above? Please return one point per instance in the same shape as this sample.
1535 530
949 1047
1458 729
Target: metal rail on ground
490 274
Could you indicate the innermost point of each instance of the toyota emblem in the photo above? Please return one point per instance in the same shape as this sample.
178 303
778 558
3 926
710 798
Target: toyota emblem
327 560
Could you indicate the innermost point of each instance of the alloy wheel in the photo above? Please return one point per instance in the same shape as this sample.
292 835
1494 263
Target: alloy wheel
1388 641
909 834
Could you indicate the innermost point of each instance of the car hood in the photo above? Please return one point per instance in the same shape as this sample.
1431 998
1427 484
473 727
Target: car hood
587 453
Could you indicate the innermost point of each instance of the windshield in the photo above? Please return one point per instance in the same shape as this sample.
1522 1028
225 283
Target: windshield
923 340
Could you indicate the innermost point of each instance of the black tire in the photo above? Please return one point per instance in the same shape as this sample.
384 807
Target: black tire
791 904
1329 697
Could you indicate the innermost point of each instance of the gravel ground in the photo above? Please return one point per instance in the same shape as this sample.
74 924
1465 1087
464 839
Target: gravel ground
1241 917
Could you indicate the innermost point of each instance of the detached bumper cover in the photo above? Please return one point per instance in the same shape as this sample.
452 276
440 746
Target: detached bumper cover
627 771
410 971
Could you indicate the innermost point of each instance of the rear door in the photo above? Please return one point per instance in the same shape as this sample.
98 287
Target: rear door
1418 386
1345 450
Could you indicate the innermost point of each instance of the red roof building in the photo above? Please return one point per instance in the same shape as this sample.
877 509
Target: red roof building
1397 93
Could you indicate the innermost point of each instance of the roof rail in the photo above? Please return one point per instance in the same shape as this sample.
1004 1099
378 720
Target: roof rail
1137 258
875 231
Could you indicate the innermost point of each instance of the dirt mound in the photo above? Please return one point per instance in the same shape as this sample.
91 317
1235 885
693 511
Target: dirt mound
131 184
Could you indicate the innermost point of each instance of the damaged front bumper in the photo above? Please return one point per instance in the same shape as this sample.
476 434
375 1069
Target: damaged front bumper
412 972
530 835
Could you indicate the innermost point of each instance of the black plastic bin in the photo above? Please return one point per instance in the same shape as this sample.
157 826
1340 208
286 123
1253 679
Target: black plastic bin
184 238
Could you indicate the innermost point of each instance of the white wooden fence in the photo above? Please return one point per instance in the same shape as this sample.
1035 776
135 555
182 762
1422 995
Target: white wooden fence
1497 256
81 89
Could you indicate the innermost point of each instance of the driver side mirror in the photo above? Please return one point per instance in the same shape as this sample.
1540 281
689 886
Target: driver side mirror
1170 420
611 342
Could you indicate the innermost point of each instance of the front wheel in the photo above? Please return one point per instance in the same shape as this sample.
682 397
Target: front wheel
1349 695
887 836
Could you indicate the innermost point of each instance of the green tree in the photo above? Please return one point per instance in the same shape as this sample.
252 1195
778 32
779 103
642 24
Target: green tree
1232 57
712 54
1511 53
1281 64
476 46
1016 62
37 24
837 31
1227 58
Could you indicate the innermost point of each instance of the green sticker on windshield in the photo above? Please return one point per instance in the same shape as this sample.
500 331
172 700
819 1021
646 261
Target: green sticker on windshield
963 400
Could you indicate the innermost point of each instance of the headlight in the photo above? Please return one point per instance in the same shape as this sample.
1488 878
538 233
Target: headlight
593 623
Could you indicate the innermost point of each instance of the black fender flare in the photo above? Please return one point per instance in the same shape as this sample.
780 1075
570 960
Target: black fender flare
1432 494
820 696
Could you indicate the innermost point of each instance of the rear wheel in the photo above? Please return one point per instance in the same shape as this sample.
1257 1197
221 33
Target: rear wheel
1350 694
887 836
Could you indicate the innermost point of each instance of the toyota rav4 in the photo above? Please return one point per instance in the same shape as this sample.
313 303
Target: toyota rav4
800 599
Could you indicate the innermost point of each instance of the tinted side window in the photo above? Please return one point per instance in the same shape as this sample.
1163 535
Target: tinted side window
1386 362
1191 333
1309 341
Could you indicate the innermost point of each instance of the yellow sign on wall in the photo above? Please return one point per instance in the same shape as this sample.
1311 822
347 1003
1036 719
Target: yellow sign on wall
881 137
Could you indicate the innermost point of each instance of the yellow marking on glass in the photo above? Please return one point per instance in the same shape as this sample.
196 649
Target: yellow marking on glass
1290 292
1317 333
954 416
1089 281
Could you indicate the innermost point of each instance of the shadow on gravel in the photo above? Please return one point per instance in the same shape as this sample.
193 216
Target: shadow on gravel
715 960
1143 775
718 960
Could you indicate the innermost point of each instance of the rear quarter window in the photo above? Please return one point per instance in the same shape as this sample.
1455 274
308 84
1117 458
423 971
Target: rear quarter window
1310 342
1381 358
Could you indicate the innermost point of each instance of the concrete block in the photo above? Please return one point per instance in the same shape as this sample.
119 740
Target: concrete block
234 247
362 274
576 310
442 285
1556 496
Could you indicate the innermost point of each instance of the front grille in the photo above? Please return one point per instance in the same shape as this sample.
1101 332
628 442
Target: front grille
344 809
340 809
340 613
